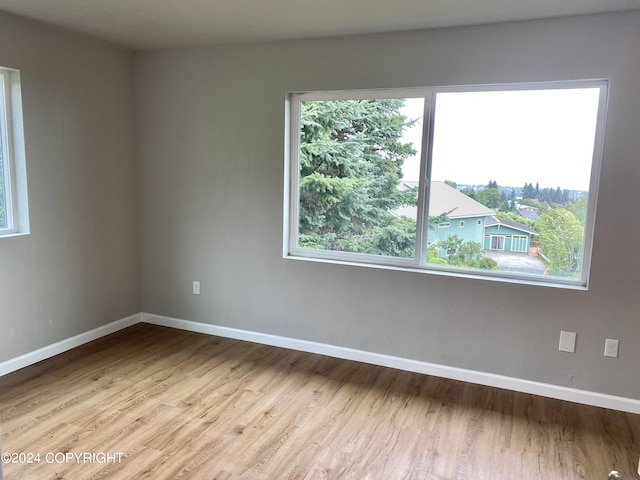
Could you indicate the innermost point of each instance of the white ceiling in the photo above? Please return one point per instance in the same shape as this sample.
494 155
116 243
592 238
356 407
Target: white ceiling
153 24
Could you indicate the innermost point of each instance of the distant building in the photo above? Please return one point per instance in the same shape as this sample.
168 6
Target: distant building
527 211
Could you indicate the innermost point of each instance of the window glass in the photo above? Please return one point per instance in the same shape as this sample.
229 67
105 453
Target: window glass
14 218
352 197
4 167
495 181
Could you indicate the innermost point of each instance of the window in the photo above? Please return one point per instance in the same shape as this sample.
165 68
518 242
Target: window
497 243
13 199
391 177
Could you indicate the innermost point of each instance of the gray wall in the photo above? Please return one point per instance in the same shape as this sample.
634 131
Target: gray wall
79 267
210 150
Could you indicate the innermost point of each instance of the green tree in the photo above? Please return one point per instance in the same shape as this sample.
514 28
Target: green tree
509 204
351 161
490 197
561 240
397 239
528 191
515 217
460 252
579 209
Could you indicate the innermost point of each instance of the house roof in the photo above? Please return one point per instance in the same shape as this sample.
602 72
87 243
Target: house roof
445 199
493 221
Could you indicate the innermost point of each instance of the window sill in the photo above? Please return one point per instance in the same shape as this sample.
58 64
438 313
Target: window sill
494 276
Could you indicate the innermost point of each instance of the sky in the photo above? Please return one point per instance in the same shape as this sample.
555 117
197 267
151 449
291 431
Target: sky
511 137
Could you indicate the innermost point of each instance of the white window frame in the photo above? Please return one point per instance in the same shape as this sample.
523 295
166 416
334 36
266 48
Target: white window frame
12 145
291 250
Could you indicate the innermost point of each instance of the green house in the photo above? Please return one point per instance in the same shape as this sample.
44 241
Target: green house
506 235
451 212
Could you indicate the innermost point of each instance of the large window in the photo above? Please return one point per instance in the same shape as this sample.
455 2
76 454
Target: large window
13 198
492 181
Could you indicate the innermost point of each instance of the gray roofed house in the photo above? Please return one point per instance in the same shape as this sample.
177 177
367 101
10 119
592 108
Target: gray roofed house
493 221
444 198
507 235
469 220
463 216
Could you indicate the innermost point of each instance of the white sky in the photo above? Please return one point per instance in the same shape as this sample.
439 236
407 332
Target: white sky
512 137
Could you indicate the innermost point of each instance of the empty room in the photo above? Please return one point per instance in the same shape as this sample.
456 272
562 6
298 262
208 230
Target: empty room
319 240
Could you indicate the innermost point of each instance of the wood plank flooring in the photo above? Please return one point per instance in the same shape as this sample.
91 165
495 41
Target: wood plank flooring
182 405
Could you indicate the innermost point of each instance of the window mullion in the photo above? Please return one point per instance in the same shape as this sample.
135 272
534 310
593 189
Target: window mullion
425 179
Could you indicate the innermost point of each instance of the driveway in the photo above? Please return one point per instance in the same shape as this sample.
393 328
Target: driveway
517 262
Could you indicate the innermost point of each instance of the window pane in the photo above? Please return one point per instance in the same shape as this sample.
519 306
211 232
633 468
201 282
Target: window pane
3 166
354 193
3 202
517 164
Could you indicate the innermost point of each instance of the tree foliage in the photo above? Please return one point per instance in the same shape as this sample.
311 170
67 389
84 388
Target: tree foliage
561 240
490 197
351 158
579 209
462 253
555 196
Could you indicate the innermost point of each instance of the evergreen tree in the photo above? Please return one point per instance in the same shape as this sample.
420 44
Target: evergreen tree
351 161
528 192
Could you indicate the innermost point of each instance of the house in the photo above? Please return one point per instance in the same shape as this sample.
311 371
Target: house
150 167
451 212
507 235
528 211
455 213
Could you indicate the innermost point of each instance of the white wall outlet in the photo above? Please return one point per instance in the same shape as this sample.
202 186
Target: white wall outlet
611 347
567 342
196 288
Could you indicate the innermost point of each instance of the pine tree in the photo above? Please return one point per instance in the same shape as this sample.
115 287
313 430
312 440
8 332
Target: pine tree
351 161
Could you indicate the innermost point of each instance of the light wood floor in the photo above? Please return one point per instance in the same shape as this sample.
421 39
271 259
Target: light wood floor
184 405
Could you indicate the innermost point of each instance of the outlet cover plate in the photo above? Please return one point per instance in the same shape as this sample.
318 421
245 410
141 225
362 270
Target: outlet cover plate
611 348
567 342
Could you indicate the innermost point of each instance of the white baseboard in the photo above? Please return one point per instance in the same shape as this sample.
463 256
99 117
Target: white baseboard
481 378
51 350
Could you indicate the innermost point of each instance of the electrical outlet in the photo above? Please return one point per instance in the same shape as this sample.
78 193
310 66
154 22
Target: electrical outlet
567 342
196 288
611 347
